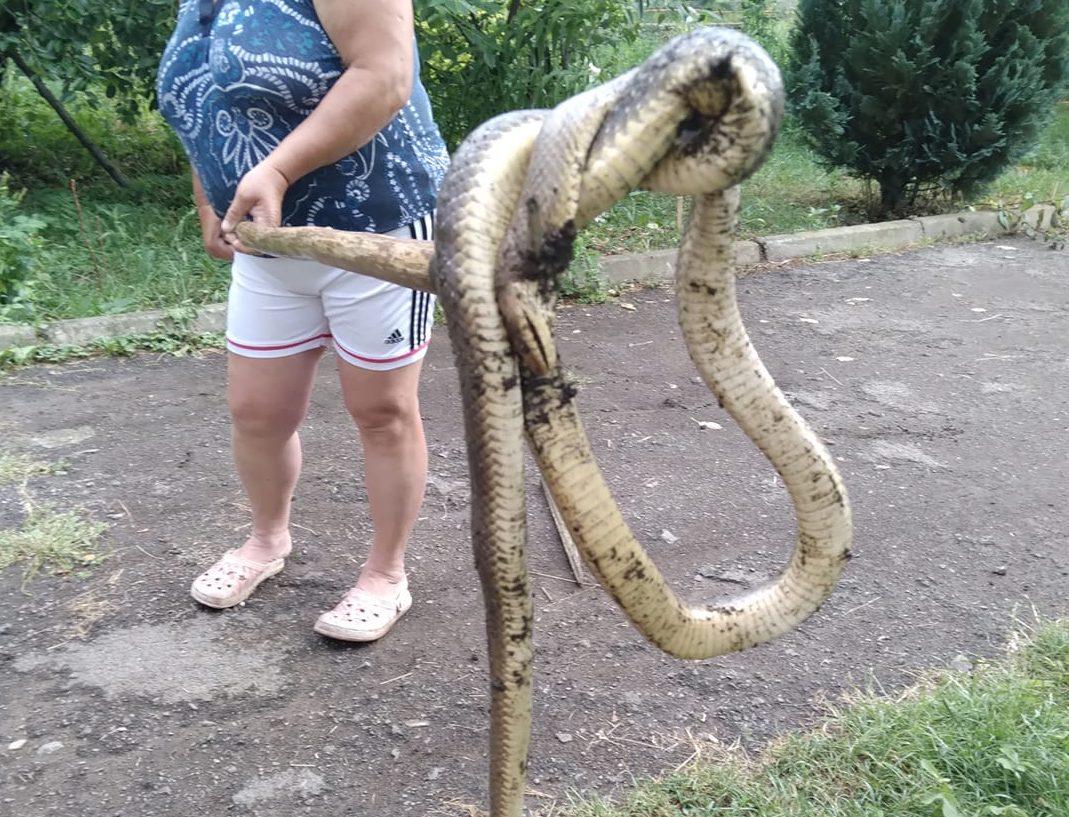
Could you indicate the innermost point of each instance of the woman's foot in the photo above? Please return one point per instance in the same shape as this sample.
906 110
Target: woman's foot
239 572
369 610
266 547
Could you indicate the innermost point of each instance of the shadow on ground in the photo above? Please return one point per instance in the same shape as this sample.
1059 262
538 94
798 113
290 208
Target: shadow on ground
938 378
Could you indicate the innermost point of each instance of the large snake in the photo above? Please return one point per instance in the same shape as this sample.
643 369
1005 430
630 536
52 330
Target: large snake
695 119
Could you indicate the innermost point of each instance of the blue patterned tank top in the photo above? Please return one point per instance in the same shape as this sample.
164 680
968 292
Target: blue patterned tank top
239 75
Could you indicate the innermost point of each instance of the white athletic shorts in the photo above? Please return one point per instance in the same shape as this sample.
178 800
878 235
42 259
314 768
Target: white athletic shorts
280 306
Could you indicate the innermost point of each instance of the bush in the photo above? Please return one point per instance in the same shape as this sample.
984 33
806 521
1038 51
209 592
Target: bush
927 95
36 147
482 58
19 243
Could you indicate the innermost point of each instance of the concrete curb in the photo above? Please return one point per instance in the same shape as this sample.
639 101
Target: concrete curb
16 335
78 332
82 331
660 264
887 235
639 267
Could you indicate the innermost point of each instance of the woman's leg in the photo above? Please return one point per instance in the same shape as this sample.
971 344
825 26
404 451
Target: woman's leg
385 407
268 400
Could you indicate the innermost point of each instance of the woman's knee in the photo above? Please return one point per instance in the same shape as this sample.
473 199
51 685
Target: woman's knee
391 413
265 416
269 396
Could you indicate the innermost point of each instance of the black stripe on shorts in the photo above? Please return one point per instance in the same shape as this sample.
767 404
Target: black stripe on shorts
412 321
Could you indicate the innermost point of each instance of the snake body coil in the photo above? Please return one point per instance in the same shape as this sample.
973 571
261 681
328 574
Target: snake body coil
696 119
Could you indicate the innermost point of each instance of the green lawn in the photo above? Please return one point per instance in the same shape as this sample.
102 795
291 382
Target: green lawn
990 743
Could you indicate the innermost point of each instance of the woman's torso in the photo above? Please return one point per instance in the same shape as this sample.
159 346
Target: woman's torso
239 75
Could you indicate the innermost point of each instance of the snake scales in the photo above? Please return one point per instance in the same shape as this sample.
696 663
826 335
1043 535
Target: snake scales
696 119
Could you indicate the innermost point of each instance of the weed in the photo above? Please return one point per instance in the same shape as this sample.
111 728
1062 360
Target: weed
17 468
175 344
51 540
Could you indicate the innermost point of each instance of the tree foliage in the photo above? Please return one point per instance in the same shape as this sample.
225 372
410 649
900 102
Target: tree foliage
481 57
111 47
927 94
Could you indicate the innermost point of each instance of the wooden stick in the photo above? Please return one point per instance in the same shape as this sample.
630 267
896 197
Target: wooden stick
570 550
397 260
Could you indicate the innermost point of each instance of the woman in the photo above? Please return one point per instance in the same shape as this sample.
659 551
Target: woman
301 112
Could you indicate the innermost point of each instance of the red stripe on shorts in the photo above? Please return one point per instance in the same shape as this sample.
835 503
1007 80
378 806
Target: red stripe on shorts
279 347
419 348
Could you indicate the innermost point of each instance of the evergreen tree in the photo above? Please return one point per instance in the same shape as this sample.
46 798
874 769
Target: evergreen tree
925 95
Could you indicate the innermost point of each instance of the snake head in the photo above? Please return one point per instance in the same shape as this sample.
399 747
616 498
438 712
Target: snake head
528 316
532 259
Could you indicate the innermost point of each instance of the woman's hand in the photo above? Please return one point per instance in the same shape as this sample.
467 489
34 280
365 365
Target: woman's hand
258 196
211 228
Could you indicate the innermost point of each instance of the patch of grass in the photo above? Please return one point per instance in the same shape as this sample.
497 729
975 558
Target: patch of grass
993 742
108 250
582 282
52 541
1043 174
17 468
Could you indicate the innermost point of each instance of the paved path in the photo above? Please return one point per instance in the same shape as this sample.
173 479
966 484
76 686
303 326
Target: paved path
938 377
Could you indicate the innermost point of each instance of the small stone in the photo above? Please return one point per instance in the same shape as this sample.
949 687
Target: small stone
395 753
565 737
435 773
50 747
736 575
669 537
15 745
1000 570
961 664
632 700
708 425
63 437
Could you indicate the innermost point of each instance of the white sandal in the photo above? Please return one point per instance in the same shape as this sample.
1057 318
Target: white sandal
232 579
360 616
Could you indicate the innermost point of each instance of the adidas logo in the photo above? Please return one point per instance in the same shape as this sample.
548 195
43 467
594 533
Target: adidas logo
395 337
